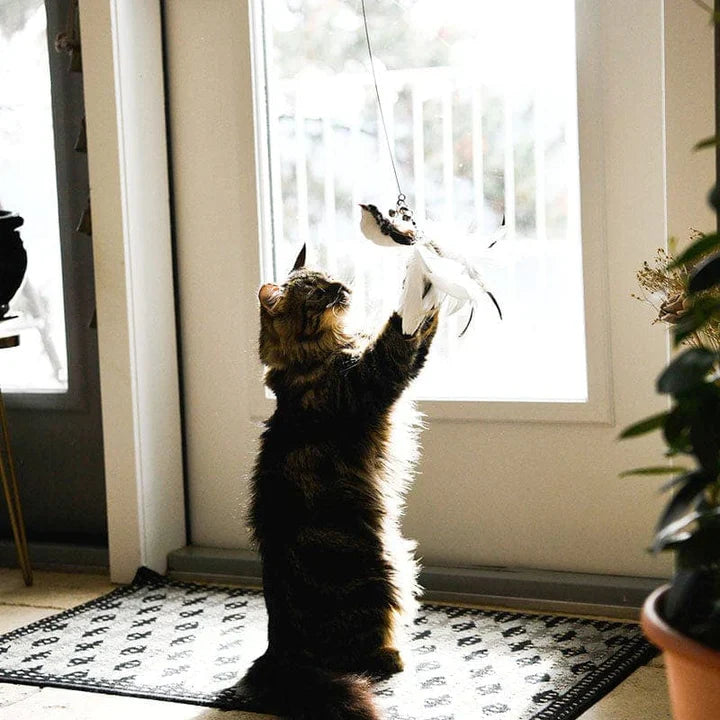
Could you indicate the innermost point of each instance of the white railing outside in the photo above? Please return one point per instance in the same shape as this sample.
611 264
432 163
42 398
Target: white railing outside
467 154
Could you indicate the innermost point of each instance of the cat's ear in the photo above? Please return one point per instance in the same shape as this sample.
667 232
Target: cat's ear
269 295
300 260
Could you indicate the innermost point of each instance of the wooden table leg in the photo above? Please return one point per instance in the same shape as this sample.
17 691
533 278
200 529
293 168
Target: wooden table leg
12 496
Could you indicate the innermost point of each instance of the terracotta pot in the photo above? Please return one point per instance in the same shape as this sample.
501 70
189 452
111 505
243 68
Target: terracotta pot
13 258
693 670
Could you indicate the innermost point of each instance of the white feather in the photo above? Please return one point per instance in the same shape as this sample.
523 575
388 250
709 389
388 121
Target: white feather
412 308
451 276
497 236
452 305
454 282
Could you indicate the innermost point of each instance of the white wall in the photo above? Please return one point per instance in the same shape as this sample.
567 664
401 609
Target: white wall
211 134
532 494
689 68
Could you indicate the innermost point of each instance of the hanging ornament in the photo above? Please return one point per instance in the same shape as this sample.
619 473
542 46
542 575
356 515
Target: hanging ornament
434 275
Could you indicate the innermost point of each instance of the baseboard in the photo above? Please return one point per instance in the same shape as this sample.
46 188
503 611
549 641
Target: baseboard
615 596
58 556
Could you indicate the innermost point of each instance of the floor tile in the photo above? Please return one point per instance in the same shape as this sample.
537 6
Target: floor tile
643 696
15 616
12 694
51 589
56 704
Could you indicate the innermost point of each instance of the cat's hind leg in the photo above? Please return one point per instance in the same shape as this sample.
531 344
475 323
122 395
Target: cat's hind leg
383 663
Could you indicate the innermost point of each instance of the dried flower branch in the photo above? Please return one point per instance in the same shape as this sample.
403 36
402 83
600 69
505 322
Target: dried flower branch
664 288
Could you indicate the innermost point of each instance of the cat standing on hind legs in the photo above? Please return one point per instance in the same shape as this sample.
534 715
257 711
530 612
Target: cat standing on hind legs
327 494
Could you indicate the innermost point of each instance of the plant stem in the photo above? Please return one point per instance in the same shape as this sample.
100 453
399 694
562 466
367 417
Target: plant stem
704 5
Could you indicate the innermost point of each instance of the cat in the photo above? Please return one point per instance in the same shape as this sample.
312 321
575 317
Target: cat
327 493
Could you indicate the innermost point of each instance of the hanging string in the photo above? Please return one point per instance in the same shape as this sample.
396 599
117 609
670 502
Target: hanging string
401 195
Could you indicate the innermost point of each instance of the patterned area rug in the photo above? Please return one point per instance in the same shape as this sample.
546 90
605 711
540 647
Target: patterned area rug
190 643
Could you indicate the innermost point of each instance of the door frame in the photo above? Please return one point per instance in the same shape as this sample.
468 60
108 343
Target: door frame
128 166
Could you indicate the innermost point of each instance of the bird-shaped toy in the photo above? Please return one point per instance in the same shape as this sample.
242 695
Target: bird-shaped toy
434 275
382 231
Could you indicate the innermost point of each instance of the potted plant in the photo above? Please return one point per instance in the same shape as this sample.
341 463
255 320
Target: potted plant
683 618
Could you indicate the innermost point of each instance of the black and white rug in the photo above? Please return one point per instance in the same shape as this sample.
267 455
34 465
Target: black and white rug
170 640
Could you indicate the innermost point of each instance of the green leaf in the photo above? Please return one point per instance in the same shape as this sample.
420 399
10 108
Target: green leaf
696 547
670 542
676 430
702 246
706 274
686 371
704 435
644 426
680 479
658 470
714 197
707 142
674 531
671 531
686 500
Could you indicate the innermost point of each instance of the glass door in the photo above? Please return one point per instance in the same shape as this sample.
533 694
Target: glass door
28 187
51 381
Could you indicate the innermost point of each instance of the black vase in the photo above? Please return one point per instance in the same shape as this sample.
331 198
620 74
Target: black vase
13 258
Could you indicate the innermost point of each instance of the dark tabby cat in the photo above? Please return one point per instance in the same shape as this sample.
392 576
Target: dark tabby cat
327 493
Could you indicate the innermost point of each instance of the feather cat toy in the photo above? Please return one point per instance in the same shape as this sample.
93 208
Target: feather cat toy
434 274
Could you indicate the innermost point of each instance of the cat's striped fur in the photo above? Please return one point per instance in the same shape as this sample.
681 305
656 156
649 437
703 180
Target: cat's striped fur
327 494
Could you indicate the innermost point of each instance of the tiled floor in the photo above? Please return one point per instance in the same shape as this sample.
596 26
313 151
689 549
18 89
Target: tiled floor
642 697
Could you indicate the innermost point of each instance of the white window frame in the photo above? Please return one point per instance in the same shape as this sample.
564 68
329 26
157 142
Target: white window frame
598 406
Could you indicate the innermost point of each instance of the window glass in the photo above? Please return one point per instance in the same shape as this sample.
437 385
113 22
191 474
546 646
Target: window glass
28 188
481 107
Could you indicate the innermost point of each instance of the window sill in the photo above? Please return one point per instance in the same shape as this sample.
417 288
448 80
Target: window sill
591 412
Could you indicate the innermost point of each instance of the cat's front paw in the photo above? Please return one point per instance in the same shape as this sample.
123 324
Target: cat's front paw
429 325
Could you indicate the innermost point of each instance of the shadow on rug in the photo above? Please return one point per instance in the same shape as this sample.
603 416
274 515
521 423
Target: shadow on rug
169 640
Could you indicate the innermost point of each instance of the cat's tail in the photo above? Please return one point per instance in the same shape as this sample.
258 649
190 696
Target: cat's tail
302 692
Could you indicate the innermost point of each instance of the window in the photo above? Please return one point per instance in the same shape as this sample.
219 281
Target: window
482 114
28 187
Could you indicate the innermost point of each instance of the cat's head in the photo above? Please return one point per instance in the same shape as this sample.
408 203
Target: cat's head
301 320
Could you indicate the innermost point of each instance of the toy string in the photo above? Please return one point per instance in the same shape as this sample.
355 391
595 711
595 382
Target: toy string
401 195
